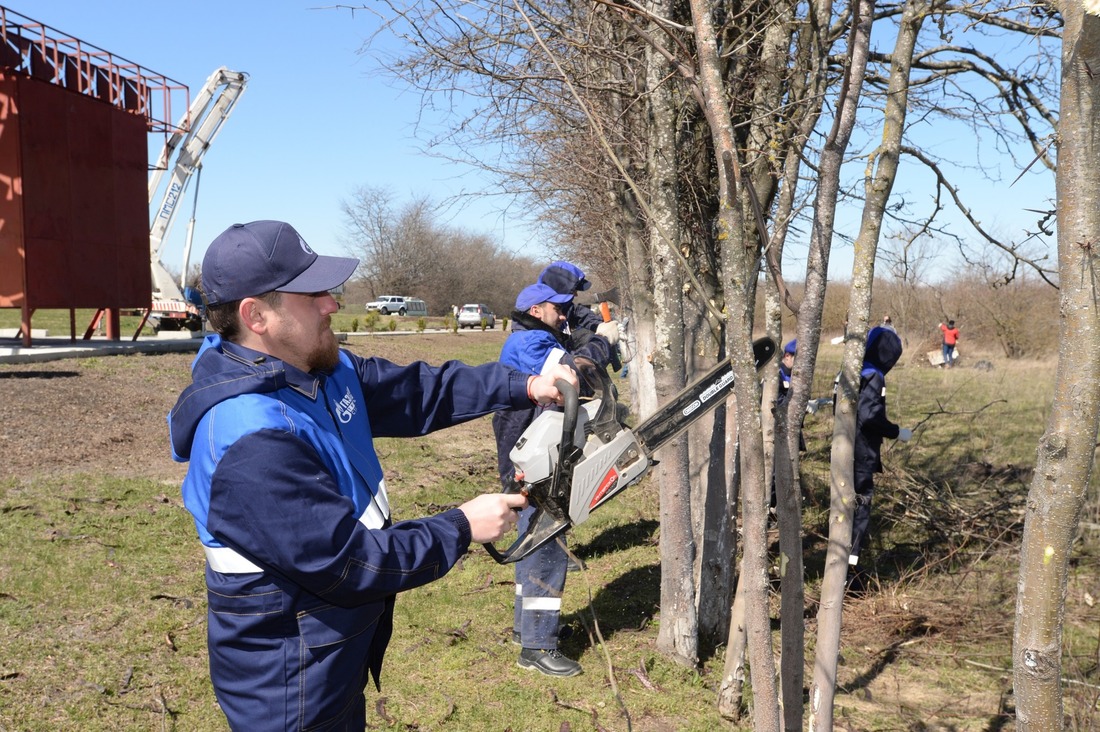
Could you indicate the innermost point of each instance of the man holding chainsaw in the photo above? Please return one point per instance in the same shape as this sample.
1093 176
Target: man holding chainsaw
539 344
288 497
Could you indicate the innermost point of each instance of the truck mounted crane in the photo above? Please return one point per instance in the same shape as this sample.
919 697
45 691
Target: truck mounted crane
182 158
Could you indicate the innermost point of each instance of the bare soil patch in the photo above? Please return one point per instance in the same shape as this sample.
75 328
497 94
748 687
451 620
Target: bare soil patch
108 415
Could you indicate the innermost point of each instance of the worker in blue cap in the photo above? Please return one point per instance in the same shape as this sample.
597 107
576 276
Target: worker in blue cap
786 363
566 278
537 344
785 366
303 557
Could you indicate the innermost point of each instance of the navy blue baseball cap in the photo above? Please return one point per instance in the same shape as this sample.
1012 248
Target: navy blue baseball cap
247 260
537 294
564 277
791 347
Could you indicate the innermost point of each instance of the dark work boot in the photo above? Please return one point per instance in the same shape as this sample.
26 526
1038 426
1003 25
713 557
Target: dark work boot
551 663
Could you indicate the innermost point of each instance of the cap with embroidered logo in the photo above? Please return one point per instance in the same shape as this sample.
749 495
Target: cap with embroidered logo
247 260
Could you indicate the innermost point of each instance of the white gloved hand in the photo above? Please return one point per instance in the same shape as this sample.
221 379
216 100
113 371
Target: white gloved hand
905 434
609 330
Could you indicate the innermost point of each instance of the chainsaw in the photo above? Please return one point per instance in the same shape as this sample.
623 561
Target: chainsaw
570 462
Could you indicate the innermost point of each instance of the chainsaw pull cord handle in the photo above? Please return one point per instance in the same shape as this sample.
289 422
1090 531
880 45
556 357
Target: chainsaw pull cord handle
547 523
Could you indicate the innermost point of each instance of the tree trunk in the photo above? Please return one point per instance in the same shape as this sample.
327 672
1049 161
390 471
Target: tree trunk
781 432
740 262
677 637
712 515
641 336
842 492
731 687
1066 449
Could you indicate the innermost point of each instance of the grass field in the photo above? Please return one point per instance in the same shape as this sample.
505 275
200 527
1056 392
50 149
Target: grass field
102 603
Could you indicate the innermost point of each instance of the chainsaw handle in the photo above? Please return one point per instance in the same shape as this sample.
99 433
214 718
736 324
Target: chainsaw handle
570 408
541 530
547 522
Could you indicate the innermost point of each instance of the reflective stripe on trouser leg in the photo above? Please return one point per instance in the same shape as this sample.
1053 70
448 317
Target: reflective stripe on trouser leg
540 579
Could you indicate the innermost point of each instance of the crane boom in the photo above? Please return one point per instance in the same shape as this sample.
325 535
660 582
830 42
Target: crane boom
187 145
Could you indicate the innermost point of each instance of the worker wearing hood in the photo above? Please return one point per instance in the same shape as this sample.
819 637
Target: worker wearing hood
872 426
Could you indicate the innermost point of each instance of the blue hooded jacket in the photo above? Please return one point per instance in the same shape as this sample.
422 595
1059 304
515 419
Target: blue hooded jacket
872 425
289 502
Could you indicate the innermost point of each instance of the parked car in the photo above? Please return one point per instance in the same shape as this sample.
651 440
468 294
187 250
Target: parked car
399 304
473 315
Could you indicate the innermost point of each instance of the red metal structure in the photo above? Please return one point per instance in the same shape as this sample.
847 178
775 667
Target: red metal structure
74 212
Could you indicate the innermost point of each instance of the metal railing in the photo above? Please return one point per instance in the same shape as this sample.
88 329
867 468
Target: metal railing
42 52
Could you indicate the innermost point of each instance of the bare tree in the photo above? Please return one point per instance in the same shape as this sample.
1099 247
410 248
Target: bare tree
828 635
1067 447
753 86
404 250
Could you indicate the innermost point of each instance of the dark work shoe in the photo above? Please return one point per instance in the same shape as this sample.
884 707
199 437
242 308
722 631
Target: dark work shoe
551 663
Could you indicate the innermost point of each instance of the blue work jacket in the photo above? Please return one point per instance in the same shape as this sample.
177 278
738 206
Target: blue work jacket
872 423
289 501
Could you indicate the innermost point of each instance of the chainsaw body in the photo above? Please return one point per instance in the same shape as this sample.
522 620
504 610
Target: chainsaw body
570 462
603 468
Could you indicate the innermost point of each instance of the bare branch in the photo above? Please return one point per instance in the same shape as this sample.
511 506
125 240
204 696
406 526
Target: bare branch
1013 251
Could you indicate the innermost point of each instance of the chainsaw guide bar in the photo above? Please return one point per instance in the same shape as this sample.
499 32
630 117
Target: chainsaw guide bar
570 462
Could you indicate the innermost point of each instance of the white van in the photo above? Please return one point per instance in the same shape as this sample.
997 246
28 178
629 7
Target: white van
399 305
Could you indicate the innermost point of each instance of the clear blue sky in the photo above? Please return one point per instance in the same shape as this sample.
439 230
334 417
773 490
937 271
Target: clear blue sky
317 120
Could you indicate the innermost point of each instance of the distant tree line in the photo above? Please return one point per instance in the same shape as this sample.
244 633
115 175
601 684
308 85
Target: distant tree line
404 249
1017 319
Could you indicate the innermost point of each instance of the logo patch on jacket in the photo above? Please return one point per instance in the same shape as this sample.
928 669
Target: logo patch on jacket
346 408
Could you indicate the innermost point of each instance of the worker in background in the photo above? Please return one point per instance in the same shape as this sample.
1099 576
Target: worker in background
539 344
568 279
786 364
950 337
882 351
303 560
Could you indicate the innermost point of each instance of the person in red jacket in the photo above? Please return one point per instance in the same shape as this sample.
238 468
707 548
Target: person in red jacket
950 338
